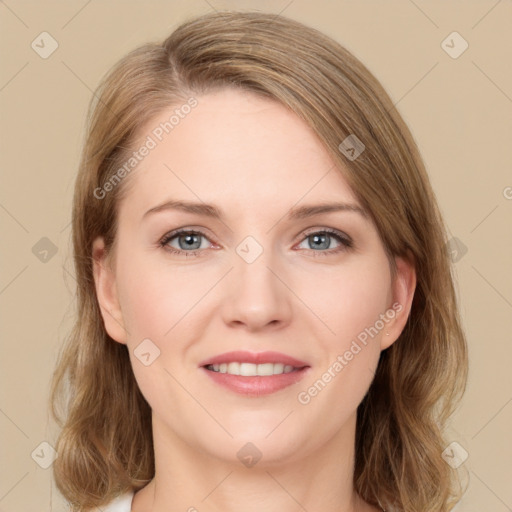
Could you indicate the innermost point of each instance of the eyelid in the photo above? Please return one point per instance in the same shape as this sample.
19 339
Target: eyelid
346 242
325 229
187 229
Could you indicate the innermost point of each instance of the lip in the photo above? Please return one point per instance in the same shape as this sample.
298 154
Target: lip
242 356
255 386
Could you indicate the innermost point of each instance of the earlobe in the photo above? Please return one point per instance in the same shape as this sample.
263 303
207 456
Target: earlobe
106 292
403 287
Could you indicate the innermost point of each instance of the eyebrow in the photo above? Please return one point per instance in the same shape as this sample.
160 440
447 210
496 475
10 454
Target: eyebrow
300 212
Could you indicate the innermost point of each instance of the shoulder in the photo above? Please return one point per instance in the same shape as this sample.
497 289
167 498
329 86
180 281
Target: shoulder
122 503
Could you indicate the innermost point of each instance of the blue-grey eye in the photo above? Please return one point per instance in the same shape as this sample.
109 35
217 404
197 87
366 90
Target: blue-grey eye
321 240
187 241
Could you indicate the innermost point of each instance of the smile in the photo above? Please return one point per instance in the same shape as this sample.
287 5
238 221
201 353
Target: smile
251 369
254 374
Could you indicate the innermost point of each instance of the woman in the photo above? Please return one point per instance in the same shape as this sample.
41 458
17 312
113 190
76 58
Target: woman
267 316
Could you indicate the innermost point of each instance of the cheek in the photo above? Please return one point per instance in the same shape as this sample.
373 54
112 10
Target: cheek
143 305
349 299
343 300
155 298
154 301
351 304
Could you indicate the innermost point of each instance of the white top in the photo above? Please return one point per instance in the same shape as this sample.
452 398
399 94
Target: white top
122 503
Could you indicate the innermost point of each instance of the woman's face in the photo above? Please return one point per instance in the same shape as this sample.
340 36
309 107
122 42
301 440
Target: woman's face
266 273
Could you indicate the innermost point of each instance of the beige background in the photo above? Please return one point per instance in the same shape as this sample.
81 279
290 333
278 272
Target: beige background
459 110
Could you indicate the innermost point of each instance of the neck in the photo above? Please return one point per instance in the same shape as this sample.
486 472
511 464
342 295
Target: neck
189 479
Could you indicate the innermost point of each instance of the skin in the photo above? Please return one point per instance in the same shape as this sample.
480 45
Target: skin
255 160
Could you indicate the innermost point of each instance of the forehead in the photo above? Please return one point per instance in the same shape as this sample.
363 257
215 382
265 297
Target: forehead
234 147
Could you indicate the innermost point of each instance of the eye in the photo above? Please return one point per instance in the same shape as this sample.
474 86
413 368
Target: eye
189 242
321 240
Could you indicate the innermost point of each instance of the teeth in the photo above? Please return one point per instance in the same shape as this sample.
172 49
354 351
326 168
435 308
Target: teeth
233 368
250 369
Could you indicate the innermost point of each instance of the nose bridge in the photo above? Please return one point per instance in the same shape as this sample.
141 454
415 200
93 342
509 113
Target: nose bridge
253 261
256 295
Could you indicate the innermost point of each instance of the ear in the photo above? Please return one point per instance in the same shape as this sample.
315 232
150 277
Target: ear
106 292
403 287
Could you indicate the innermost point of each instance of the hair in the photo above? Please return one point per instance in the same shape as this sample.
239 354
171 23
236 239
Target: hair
105 445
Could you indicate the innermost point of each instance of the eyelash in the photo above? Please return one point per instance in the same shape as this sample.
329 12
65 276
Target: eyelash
345 241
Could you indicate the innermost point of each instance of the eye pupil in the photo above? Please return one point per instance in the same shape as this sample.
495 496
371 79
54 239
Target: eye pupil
318 238
190 240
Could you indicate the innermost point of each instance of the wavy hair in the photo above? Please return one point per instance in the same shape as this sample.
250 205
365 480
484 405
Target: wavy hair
105 442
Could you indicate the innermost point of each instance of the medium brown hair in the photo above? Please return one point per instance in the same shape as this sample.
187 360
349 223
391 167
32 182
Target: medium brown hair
105 446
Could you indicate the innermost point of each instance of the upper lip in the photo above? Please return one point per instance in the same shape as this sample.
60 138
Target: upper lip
242 356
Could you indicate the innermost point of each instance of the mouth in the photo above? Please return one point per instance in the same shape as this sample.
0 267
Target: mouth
252 370
254 374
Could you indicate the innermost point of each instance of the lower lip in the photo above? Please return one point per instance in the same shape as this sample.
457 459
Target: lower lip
258 385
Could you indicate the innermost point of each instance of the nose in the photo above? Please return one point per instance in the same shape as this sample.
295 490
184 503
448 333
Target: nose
257 296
